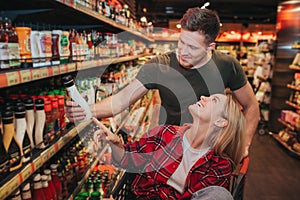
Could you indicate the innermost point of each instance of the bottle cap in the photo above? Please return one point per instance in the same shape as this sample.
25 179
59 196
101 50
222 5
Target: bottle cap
47 171
26 187
37 178
29 103
68 81
39 104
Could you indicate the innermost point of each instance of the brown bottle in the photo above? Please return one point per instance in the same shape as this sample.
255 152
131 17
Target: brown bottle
10 142
4 157
4 63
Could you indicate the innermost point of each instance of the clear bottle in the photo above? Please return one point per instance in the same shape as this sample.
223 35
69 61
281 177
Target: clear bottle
21 133
76 96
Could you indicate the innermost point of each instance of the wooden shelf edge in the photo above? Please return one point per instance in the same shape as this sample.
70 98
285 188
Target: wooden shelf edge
279 140
286 124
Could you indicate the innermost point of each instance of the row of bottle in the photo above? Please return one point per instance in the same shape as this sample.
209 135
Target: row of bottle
22 46
28 124
68 167
112 9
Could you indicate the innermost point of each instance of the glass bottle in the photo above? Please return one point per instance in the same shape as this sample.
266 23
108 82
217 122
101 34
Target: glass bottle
38 192
49 195
10 142
47 172
21 133
40 120
4 157
55 116
29 116
56 182
76 96
26 192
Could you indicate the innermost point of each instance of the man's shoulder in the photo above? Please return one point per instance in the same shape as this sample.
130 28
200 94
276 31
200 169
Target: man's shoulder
163 58
219 56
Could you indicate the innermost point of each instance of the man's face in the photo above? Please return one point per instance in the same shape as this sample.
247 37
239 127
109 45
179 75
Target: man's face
192 50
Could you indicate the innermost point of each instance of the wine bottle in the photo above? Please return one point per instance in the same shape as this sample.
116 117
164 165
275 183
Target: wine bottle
29 116
40 120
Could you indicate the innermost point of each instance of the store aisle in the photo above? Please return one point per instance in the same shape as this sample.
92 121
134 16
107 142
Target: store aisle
272 174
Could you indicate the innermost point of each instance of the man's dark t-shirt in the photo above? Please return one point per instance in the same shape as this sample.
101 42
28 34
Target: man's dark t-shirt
179 87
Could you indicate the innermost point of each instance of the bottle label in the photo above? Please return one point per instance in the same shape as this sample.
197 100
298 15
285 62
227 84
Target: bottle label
14 54
4 56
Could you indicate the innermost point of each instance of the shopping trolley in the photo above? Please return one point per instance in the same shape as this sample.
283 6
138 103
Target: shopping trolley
122 191
238 179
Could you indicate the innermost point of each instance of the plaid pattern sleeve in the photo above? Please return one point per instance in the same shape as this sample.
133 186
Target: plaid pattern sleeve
157 157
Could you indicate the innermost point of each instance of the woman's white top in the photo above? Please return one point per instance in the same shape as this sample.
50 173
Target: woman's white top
190 156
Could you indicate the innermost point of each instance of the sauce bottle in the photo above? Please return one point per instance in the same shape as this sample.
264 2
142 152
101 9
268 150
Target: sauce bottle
40 120
38 192
4 157
26 192
29 116
47 172
56 181
21 133
10 142
4 56
76 96
24 42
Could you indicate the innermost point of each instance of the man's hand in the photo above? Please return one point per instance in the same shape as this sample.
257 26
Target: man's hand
74 112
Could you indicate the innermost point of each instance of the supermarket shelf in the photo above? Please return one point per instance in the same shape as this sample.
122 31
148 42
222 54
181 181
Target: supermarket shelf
88 173
104 19
292 104
296 46
9 186
294 67
286 124
280 141
293 87
11 78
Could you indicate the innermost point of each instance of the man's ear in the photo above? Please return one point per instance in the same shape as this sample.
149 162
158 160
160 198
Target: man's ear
221 123
211 46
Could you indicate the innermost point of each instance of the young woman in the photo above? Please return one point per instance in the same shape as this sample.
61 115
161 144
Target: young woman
173 162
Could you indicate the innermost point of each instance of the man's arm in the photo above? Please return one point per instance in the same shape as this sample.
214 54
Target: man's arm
117 103
111 105
246 98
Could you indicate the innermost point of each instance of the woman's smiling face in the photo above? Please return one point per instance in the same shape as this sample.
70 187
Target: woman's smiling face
208 108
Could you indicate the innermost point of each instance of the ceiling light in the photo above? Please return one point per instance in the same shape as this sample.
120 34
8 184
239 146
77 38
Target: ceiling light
205 5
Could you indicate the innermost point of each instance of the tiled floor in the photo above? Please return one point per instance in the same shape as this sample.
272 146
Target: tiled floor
273 174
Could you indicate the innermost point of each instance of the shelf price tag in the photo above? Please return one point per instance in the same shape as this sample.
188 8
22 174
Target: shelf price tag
10 186
25 76
26 172
12 78
36 74
38 162
71 67
63 69
3 80
55 70
44 72
79 65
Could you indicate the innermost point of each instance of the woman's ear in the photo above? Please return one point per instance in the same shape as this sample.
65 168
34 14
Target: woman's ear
221 123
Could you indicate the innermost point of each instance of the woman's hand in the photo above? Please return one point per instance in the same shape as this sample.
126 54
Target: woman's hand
114 140
105 132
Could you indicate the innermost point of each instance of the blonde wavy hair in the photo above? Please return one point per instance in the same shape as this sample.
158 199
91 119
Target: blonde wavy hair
230 142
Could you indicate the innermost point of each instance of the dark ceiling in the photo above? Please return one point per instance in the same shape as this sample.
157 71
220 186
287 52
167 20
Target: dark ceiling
230 11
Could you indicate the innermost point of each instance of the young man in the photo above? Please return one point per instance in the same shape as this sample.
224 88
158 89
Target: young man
181 77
